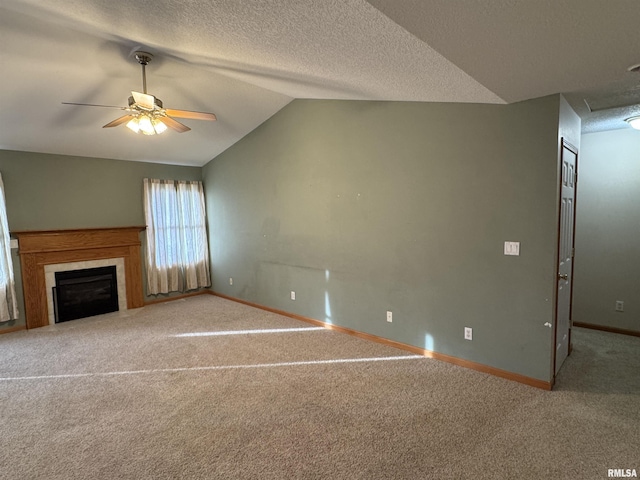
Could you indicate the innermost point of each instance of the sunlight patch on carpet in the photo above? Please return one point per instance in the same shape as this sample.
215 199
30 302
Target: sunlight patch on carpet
211 368
247 332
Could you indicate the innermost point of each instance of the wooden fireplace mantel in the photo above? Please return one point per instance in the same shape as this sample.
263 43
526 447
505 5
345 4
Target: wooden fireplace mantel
47 247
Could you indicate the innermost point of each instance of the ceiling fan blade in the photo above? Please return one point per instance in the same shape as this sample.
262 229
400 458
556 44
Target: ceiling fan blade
93 105
189 114
144 100
174 124
119 121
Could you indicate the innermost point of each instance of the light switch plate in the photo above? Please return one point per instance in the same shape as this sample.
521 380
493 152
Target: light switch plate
468 333
13 243
512 248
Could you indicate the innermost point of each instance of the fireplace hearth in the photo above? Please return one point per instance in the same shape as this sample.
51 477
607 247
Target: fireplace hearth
85 293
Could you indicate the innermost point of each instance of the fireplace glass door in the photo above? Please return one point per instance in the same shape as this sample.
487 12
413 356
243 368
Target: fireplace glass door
84 293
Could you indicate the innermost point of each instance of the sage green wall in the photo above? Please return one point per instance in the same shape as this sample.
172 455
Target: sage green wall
607 261
55 192
364 207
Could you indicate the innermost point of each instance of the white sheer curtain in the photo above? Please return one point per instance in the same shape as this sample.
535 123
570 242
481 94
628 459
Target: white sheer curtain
177 248
8 304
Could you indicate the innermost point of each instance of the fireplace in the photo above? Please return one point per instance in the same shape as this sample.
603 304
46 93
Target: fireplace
51 271
44 252
84 293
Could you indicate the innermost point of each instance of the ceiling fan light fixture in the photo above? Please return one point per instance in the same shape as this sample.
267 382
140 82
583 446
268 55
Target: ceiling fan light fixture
146 126
159 126
634 122
133 125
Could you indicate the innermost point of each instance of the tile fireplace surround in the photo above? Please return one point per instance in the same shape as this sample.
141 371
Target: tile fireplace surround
38 249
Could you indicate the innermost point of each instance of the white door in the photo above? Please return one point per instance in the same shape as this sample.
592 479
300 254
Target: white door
569 160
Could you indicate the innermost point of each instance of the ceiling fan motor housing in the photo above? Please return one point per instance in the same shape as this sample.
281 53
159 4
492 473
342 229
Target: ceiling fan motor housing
156 100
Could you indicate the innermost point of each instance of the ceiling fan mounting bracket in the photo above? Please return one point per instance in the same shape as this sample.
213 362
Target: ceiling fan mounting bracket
143 58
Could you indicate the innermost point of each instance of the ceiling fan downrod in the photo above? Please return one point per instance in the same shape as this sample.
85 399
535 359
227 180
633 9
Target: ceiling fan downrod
143 59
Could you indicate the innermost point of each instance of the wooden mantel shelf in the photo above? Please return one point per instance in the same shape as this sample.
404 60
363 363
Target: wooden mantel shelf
33 241
71 230
38 248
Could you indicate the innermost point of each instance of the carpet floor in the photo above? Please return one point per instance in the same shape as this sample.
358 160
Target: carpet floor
206 388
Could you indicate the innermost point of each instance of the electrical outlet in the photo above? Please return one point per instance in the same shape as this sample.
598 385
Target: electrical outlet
389 317
512 248
293 295
230 281
468 333
619 306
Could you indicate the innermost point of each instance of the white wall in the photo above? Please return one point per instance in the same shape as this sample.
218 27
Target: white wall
607 262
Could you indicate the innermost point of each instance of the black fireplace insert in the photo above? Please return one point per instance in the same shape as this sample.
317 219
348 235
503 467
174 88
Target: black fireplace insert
84 293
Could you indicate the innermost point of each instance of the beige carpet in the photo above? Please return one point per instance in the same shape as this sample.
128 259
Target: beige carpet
135 395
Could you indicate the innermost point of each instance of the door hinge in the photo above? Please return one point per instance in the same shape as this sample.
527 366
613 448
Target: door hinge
573 253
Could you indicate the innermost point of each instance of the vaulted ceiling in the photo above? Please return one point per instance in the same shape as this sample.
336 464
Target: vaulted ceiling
245 60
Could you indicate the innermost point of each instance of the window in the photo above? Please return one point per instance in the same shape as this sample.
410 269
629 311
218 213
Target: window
177 251
8 304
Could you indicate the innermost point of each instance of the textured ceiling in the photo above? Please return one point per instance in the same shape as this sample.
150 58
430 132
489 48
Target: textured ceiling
245 60
523 49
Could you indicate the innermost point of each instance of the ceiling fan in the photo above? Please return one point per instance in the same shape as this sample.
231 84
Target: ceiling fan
146 113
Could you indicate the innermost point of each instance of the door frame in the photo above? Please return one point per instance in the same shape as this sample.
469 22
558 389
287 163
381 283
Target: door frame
564 144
